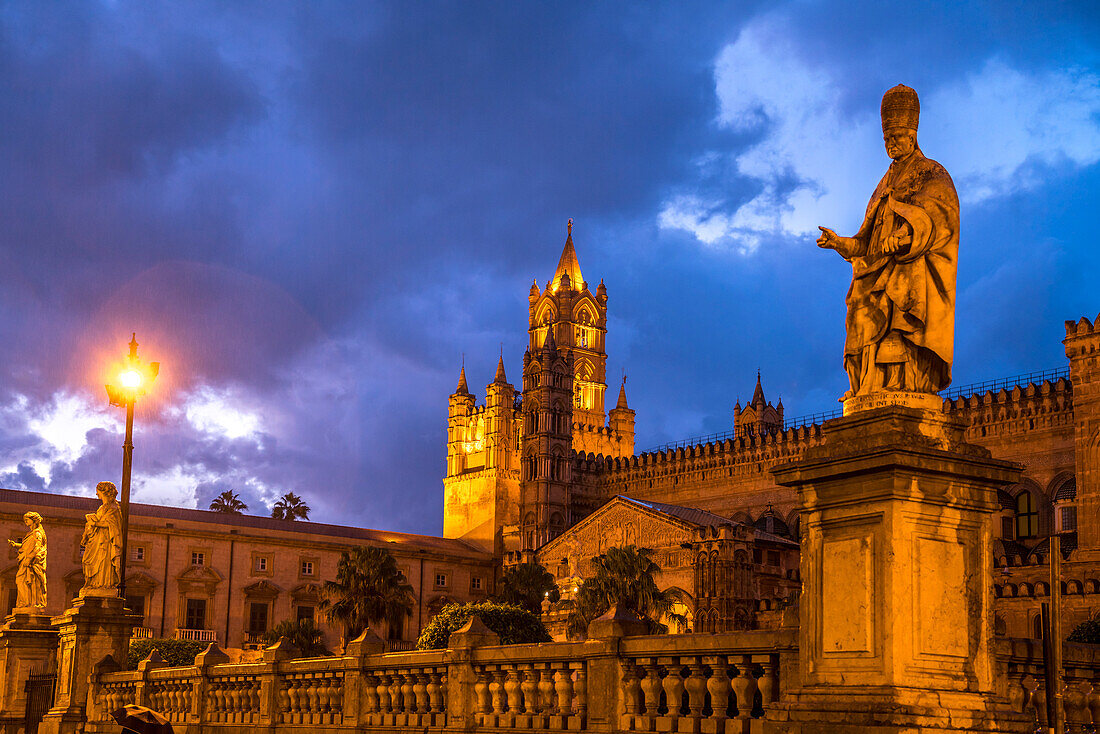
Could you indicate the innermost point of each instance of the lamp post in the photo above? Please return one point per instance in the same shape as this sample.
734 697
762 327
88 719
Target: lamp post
133 380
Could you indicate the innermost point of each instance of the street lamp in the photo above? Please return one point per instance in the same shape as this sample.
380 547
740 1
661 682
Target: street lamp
133 381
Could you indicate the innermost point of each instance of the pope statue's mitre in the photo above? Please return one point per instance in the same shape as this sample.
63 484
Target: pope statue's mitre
900 108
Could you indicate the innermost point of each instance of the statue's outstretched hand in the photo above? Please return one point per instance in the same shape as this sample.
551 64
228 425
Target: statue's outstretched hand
828 239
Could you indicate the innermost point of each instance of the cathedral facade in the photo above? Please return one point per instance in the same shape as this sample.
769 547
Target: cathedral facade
526 468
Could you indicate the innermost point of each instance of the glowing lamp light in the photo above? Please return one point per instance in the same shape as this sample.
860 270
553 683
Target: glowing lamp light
130 379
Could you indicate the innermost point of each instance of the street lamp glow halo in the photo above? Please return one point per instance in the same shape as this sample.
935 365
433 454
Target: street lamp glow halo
130 378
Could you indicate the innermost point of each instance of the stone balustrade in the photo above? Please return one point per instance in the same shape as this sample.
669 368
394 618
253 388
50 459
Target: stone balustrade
606 684
1080 682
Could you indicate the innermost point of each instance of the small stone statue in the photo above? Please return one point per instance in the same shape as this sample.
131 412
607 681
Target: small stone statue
901 305
30 580
102 543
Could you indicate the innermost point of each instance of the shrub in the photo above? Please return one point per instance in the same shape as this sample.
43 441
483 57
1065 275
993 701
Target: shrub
514 624
1087 632
302 633
174 652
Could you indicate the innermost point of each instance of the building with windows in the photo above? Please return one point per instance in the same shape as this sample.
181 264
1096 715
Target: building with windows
209 576
528 468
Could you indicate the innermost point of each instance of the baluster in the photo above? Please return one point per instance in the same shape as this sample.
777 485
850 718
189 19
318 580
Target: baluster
432 691
212 697
769 680
744 685
512 692
284 700
370 693
383 692
443 690
396 704
530 689
298 699
420 693
315 691
564 687
718 685
580 689
696 686
481 691
651 688
407 700
336 690
631 688
546 689
674 688
1017 695
1073 701
496 689
236 699
1092 703
323 686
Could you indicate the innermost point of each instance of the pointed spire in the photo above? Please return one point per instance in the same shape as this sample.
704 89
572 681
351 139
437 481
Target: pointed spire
549 343
462 388
500 379
568 264
622 397
758 393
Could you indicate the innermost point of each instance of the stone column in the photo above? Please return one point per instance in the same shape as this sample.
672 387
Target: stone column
461 676
94 627
28 644
896 616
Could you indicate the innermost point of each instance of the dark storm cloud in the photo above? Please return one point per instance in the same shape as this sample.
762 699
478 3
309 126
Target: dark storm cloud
309 212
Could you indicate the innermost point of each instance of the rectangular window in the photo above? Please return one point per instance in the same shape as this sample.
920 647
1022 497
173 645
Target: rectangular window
1069 519
198 558
475 583
307 568
138 553
261 563
136 604
441 579
1006 528
257 617
773 558
304 612
195 617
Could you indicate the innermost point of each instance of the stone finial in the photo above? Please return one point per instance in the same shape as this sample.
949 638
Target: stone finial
106 664
473 634
619 621
212 655
283 649
152 661
367 643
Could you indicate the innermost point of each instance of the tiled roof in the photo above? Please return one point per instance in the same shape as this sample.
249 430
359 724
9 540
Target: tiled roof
405 541
702 517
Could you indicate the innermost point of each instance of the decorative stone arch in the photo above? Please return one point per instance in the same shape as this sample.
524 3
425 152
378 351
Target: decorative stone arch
586 306
1060 480
546 313
794 524
742 516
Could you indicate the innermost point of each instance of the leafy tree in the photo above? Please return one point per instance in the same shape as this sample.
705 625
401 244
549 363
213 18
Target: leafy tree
368 589
1087 632
526 585
229 503
624 576
303 634
175 652
290 507
514 624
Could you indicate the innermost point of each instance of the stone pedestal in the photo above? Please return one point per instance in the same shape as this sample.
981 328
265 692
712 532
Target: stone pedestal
95 626
28 644
896 617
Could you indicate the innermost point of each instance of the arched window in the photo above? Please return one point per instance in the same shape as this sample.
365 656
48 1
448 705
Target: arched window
1027 516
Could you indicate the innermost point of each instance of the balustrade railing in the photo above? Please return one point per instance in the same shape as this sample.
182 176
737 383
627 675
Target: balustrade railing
614 683
1080 683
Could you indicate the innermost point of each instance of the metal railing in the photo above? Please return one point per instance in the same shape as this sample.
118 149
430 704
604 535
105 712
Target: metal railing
196 635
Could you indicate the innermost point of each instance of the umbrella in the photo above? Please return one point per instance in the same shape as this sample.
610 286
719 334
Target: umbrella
141 720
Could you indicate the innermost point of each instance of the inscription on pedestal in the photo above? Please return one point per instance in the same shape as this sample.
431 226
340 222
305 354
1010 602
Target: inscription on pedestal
923 401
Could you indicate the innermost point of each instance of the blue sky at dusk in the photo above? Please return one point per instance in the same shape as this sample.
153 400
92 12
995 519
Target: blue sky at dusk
308 212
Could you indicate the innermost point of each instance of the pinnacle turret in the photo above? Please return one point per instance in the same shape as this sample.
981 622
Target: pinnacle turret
462 388
568 265
758 393
622 397
500 379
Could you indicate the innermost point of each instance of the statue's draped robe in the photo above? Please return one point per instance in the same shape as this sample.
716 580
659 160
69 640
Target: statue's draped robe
906 298
102 546
30 581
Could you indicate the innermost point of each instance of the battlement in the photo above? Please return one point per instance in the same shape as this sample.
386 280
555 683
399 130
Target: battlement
751 448
1033 399
1083 328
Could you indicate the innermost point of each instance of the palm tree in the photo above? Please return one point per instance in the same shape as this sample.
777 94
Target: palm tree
290 507
303 634
624 576
527 584
369 589
229 503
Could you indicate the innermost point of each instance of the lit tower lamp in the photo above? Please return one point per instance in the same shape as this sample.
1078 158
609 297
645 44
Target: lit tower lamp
133 381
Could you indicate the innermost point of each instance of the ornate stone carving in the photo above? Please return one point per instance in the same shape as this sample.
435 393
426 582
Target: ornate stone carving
901 305
30 581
